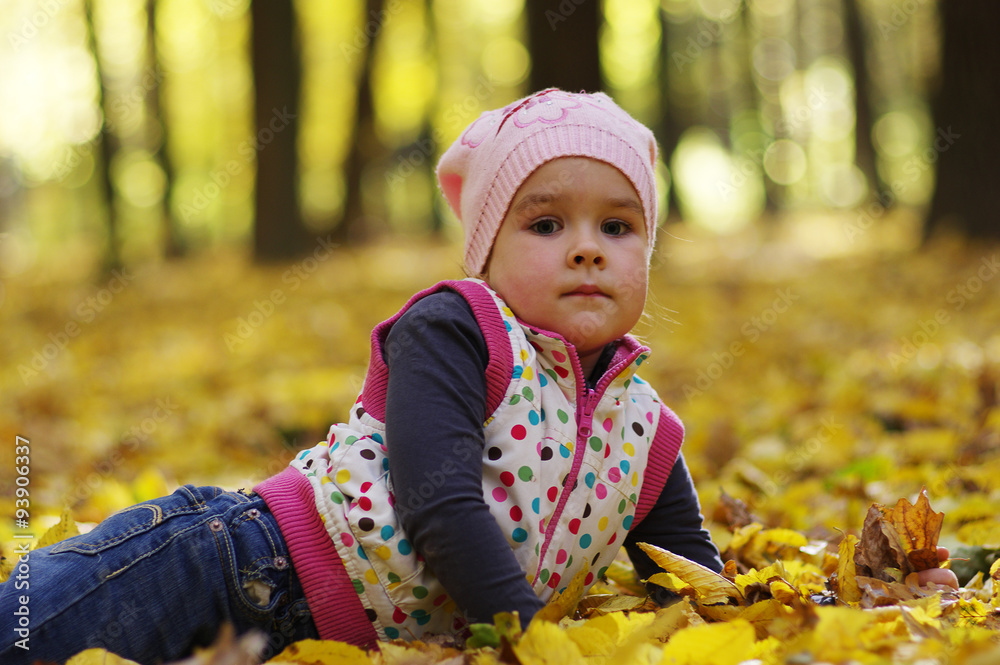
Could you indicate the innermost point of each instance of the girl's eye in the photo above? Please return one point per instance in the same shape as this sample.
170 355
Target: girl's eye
545 226
615 227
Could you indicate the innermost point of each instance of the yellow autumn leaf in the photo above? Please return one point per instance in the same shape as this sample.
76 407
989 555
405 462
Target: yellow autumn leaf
508 625
761 614
618 625
614 604
995 576
545 643
801 573
838 636
391 653
847 585
675 617
715 644
98 657
484 657
742 536
623 576
640 635
591 641
711 587
7 567
321 652
63 529
562 604
671 582
783 591
762 576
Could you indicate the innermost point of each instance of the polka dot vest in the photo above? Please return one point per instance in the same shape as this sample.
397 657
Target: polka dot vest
562 472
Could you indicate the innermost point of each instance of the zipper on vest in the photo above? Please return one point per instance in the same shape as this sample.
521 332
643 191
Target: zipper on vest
586 403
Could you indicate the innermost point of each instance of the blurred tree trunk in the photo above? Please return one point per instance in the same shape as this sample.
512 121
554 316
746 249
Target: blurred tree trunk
157 135
966 144
857 47
365 146
427 134
669 128
279 232
104 152
563 38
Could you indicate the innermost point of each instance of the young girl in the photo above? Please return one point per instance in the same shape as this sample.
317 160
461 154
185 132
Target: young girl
502 444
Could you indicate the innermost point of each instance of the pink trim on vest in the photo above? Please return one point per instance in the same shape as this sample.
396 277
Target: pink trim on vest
336 608
501 364
662 456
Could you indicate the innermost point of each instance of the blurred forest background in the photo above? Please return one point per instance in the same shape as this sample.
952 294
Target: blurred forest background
133 131
206 204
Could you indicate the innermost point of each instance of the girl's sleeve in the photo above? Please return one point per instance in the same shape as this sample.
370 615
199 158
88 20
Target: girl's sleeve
434 417
675 524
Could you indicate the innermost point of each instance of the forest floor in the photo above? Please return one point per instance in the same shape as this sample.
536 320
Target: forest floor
814 377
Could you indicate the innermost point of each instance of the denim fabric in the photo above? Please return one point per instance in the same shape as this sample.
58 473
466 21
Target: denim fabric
154 581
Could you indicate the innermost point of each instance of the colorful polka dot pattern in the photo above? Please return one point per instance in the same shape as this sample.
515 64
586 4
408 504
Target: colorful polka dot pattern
532 443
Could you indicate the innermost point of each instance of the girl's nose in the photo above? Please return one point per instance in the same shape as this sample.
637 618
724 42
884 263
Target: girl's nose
585 258
586 250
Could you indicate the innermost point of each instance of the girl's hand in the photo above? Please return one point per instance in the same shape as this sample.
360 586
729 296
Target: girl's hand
941 576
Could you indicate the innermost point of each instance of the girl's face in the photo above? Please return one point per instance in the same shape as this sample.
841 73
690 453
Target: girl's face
570 255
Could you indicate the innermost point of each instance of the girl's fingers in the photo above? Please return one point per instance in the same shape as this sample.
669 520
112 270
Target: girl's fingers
941 576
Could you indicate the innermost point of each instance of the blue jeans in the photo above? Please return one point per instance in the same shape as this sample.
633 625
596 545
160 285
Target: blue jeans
154 581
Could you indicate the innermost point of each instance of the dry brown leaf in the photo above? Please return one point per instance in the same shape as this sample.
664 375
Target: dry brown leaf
874 553
918 528
733 512
898 541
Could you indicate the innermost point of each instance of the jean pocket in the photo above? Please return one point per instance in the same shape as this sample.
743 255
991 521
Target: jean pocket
256 562
134 521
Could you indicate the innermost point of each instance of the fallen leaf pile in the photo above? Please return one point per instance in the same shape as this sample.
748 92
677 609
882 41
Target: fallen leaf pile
816 391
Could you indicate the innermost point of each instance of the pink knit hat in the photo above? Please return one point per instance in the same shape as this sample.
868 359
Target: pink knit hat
481 172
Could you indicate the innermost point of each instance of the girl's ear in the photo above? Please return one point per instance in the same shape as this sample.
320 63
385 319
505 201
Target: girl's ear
451 185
